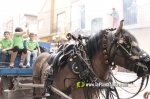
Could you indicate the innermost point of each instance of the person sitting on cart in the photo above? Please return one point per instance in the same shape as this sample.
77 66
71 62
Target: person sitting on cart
18 46
32 48
6 45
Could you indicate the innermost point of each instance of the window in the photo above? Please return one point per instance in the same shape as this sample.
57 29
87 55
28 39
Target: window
130 8
40 24
82 10
96 25
61 22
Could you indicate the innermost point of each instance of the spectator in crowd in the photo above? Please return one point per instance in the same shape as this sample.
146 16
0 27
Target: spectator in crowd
18 46
32 48
6 45
115 17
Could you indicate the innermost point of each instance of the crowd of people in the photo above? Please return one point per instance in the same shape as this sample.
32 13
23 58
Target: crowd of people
15 46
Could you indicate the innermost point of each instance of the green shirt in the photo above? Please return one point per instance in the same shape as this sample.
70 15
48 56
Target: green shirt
6 43
18 41
32 44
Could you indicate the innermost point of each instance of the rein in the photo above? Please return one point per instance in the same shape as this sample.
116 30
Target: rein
130 82
140 89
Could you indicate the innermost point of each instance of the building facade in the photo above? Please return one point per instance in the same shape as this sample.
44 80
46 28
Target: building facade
45 18
59 16
7 26
63 16
31 19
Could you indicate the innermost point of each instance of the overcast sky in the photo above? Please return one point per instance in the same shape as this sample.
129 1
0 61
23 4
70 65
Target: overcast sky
10 8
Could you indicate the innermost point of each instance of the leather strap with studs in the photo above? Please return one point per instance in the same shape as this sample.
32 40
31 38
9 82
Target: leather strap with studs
104 46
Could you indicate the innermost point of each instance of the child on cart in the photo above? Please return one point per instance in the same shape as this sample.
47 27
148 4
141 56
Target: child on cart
6 45
32 48
18 47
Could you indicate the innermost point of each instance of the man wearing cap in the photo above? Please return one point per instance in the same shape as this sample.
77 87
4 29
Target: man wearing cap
6 45
32 48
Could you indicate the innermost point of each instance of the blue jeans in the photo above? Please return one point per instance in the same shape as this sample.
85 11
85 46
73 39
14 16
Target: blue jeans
4 53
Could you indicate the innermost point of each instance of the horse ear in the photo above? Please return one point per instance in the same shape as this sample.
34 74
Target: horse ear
119 28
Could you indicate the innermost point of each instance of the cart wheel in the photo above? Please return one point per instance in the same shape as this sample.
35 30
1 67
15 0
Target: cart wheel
6 83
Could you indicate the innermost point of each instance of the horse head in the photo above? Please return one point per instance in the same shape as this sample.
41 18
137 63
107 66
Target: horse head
119 48
126 53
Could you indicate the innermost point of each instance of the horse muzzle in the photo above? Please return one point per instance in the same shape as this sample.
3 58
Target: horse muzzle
141 65
144 62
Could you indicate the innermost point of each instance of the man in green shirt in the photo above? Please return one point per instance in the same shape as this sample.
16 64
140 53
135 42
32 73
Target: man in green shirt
6 45
18 47
32 48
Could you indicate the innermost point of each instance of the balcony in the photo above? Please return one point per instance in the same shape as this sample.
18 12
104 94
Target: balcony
137 17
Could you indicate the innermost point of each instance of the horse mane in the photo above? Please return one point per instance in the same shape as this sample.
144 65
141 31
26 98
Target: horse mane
94 44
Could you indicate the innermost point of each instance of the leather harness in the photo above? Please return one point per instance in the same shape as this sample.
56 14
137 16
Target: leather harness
79 63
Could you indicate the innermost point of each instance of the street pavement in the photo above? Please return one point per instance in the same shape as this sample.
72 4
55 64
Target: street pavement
133 88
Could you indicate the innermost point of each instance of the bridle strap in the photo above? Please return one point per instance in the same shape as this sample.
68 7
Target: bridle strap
124 49
146 82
